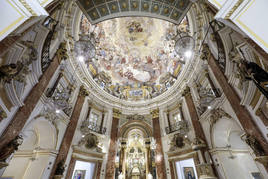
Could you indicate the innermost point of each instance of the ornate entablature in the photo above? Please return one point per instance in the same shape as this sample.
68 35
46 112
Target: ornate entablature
134 60
100 10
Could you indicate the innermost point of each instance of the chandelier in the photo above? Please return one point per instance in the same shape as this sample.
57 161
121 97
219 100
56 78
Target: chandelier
85 47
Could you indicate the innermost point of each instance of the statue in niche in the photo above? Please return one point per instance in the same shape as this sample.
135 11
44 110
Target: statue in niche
254 145
253 71
10 148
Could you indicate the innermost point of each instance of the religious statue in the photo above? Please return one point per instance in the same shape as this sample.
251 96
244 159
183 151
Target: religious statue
60 168
254 72
10 148
254 145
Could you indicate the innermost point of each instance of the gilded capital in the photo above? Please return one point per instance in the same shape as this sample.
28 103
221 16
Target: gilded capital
258 112
155 113
62 51
186 91
116 113
83 91
205 55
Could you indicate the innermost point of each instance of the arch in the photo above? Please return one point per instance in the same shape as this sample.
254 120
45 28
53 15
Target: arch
143 126
100 10
45 132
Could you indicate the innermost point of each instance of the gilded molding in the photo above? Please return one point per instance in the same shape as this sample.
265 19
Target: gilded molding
233 9
3 114
26 5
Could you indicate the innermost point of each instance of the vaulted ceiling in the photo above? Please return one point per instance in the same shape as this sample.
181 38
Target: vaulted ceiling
100 10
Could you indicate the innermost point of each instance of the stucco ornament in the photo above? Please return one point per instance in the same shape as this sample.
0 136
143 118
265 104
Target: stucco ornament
218 113
198 144
90 141
178 141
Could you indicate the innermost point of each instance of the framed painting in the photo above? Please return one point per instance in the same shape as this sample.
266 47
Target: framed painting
79 174
189 173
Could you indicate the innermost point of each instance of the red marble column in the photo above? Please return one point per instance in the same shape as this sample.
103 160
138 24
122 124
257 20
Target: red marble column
193 113
110 167
22 115
172 172
70 130
241 112
71 168
159 154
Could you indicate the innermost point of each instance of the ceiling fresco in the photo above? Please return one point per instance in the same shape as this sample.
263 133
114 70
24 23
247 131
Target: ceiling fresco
134 59
100 10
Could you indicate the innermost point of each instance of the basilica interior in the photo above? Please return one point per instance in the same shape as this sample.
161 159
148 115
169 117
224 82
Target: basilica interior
133 89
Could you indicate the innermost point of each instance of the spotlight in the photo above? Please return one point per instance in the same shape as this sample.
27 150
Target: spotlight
57 111
188 54
209 107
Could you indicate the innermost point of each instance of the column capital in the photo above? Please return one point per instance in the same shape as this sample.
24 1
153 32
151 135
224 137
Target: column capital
186 91
116 113
83 92
62 51
205 53
155 113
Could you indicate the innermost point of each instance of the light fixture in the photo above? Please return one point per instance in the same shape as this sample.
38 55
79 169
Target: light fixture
85 47
57 111
209 107
81 58
188 54
184 45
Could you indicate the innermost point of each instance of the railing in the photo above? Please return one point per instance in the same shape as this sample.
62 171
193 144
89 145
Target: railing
51 24
96 128
178 126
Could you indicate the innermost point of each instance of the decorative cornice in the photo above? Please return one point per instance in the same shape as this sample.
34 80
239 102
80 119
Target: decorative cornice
234 8
26 5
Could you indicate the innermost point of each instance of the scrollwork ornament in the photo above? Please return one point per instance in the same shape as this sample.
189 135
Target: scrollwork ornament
218 113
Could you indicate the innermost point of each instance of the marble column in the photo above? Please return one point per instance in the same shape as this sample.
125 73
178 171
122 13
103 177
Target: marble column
22 115
214 89
51 90
70 168
148 157
70 130
159 160
241 112
200 143
110 167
